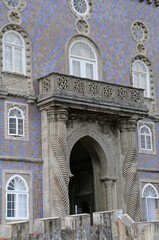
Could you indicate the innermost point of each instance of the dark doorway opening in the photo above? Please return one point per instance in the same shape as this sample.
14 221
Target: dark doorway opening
81 188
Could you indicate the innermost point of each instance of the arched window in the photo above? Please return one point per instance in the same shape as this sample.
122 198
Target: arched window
140 76
145 138
15 122
83 61
149 203
17 198
13 52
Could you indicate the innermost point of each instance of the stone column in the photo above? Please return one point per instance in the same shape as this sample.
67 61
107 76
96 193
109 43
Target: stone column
58 163
129 168
109 184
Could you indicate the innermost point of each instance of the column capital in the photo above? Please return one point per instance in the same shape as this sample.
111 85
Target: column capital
57 115
129 124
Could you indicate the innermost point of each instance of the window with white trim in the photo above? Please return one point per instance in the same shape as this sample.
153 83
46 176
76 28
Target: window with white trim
140 76
150 200
83 61
145 138
13 52
15 122
17 198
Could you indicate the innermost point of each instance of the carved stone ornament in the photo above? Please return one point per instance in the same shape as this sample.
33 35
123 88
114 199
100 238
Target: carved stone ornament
14 17
78 86
63 83
157 3
151 1
93 88
82 8
107 92
46 84
82 26
139 32
18 5
121 93
135 96
140 49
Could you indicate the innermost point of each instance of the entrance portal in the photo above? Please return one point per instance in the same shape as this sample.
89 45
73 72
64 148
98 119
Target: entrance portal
81 190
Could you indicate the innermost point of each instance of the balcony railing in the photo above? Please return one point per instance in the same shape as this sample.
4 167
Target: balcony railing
70 90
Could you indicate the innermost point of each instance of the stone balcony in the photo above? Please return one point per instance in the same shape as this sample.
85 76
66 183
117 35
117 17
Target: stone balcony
85 94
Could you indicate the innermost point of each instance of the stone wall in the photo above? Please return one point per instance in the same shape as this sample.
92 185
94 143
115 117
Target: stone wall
112 225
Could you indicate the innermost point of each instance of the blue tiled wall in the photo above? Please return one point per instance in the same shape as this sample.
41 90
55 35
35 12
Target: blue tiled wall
50 24
36 170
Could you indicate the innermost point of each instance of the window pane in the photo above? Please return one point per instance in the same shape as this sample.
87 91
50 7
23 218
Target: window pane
22 206
89 70
12 125
20 126
76 68
148 141
8 58
143 142
10 205
17 60
136 80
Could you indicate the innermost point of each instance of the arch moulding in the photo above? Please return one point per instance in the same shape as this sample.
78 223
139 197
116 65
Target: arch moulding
100 145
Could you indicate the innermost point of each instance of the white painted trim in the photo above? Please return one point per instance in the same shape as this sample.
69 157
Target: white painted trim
145 135
17 193
17 118
83 61
13 47
147 74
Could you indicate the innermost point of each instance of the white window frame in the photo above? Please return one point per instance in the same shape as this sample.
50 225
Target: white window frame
13 46
147 74
83 61
17 118
149 197
17 193
145 138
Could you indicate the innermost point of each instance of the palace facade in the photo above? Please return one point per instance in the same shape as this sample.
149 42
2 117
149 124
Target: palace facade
79 100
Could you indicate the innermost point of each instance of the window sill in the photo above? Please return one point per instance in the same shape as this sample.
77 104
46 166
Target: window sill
11 220
5 72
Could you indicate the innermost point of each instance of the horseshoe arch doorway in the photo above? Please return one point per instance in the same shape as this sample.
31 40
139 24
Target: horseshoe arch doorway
85 188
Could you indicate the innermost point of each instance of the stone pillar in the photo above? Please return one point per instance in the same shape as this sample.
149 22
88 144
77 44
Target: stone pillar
110 194
58 163
129 168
